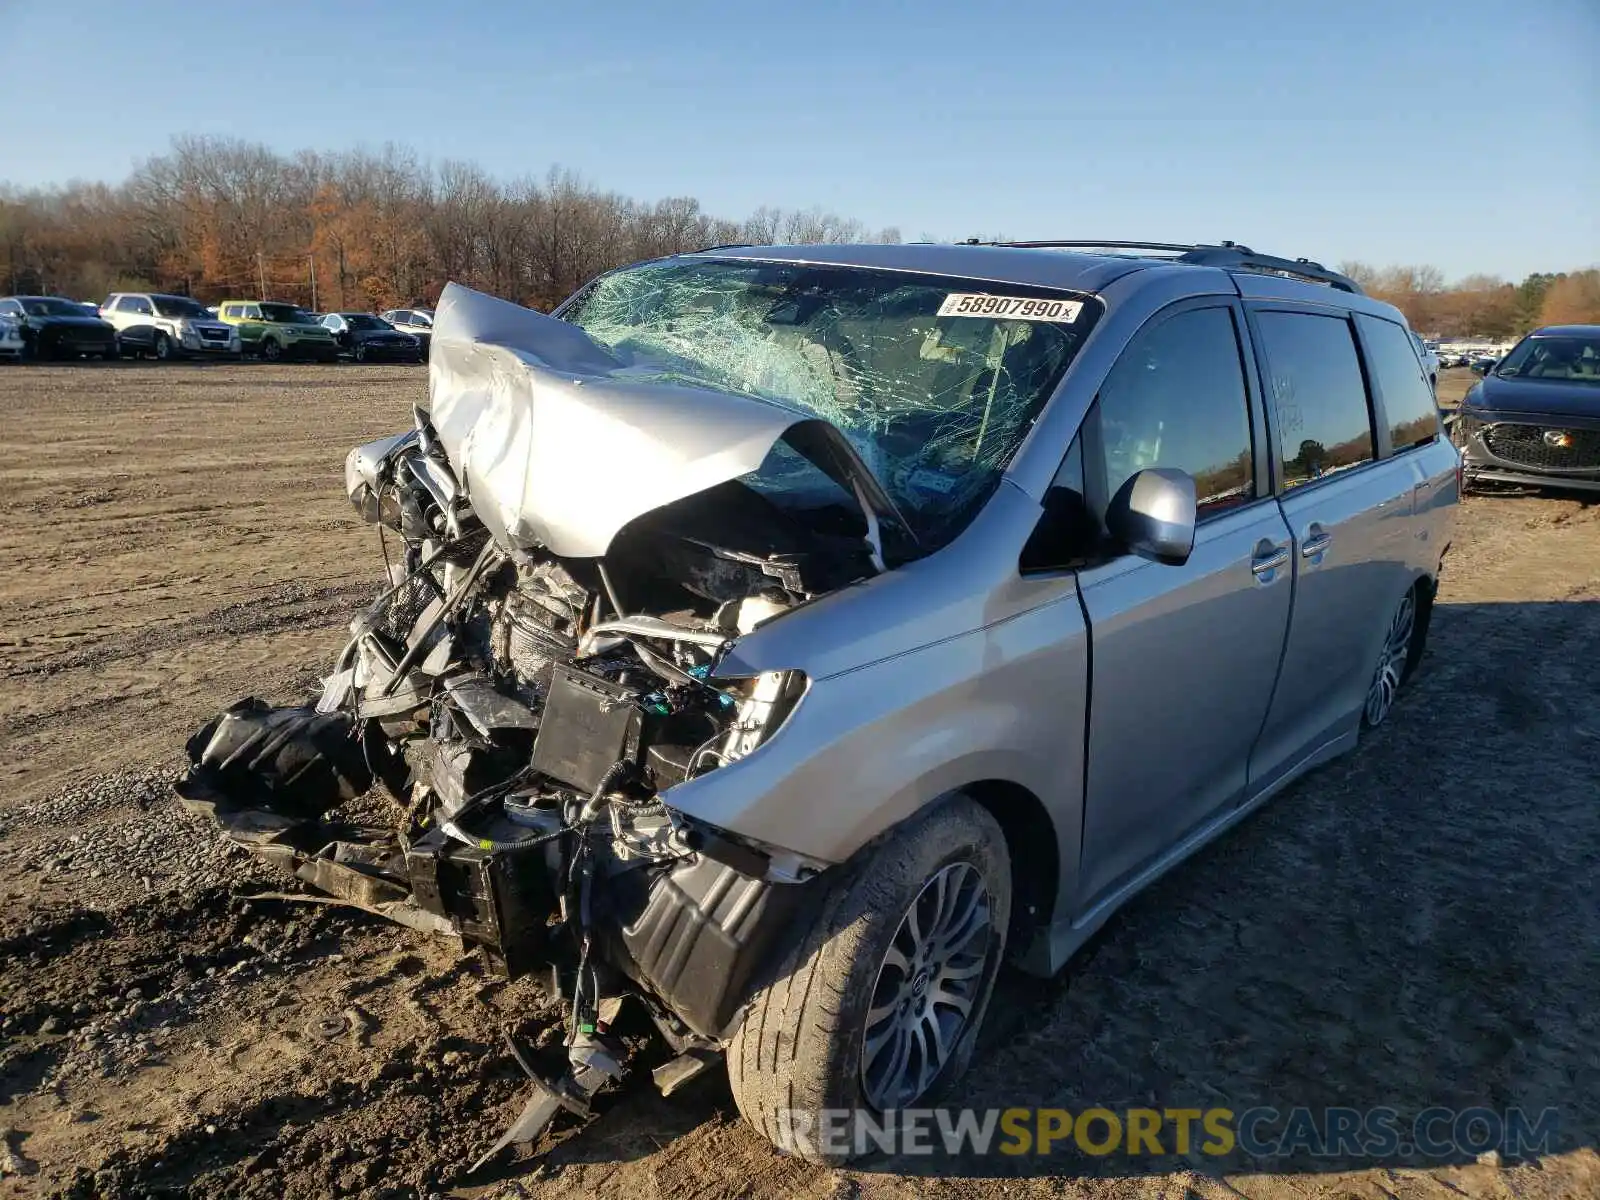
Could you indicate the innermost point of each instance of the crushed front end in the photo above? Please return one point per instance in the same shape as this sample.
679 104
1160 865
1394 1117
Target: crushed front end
525 709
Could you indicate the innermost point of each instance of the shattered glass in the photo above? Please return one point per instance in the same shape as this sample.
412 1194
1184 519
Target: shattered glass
935 406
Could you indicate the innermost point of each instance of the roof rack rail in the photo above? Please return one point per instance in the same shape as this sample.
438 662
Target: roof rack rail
1093 244
1229 256
1241 258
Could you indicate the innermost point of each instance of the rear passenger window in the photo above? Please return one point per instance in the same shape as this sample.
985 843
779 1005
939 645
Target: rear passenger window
1176 398
1408 402
1318 396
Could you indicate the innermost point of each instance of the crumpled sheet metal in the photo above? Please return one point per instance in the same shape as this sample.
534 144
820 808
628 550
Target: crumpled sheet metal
560 447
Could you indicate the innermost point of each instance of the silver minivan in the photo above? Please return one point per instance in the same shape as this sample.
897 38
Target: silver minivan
786 636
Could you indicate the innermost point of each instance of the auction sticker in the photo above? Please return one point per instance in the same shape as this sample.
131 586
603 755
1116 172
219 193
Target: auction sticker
1016 308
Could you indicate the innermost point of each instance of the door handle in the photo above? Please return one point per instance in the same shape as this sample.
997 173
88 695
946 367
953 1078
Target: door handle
1268 558
1317 544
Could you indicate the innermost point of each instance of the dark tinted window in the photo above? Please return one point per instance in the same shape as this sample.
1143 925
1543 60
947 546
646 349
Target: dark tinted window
1318 397
1176 398
1407 399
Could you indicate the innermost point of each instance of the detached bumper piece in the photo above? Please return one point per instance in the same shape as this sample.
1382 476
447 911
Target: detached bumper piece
268 776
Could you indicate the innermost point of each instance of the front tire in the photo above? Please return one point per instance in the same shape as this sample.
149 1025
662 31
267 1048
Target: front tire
271 351
360 352
878 1001
161 348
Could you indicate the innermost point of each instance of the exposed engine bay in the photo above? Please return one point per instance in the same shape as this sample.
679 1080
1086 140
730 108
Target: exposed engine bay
530 711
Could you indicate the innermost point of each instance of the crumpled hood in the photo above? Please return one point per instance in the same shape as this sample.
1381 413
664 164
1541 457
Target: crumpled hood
559 442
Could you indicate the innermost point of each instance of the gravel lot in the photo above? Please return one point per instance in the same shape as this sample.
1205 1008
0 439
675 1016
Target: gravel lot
1413 926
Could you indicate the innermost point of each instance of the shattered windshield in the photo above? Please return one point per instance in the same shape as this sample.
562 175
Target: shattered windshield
934 381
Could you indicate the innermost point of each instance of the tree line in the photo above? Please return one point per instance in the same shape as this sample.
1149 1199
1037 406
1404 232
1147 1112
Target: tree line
217 217
1483 306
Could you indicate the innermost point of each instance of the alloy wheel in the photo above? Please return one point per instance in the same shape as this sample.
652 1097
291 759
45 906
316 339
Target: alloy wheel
1392 661
929 983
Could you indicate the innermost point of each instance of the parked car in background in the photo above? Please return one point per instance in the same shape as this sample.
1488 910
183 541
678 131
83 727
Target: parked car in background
418 322
165 326
53 327
11 345
1430 359
1533 420
1064 565
275 331
366 336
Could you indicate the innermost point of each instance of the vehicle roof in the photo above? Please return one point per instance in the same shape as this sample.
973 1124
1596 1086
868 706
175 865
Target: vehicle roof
1038 268
1566 331
353 312
64 299
1070 270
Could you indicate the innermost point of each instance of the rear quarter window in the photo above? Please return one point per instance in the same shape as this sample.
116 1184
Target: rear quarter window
1408 401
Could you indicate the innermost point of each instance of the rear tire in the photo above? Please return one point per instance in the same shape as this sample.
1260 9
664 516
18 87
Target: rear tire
857 1012
1402 648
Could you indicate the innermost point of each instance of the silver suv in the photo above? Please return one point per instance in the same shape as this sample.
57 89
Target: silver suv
165 327
786 636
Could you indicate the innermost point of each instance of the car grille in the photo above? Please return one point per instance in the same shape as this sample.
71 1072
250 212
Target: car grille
213 335
1527 446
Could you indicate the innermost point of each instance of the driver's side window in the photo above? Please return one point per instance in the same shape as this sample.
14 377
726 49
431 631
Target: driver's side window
1177 398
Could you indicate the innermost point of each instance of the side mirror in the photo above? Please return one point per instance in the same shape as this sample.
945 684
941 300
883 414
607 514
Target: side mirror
1153 515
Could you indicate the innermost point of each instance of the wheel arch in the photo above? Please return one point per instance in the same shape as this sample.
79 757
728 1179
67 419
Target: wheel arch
1034 850
1427 590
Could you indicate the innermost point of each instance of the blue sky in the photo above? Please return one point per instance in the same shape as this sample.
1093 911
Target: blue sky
1463 133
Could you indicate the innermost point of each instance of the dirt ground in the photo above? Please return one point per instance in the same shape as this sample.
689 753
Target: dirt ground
1415 925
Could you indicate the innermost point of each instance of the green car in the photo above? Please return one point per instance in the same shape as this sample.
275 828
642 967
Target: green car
277 331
